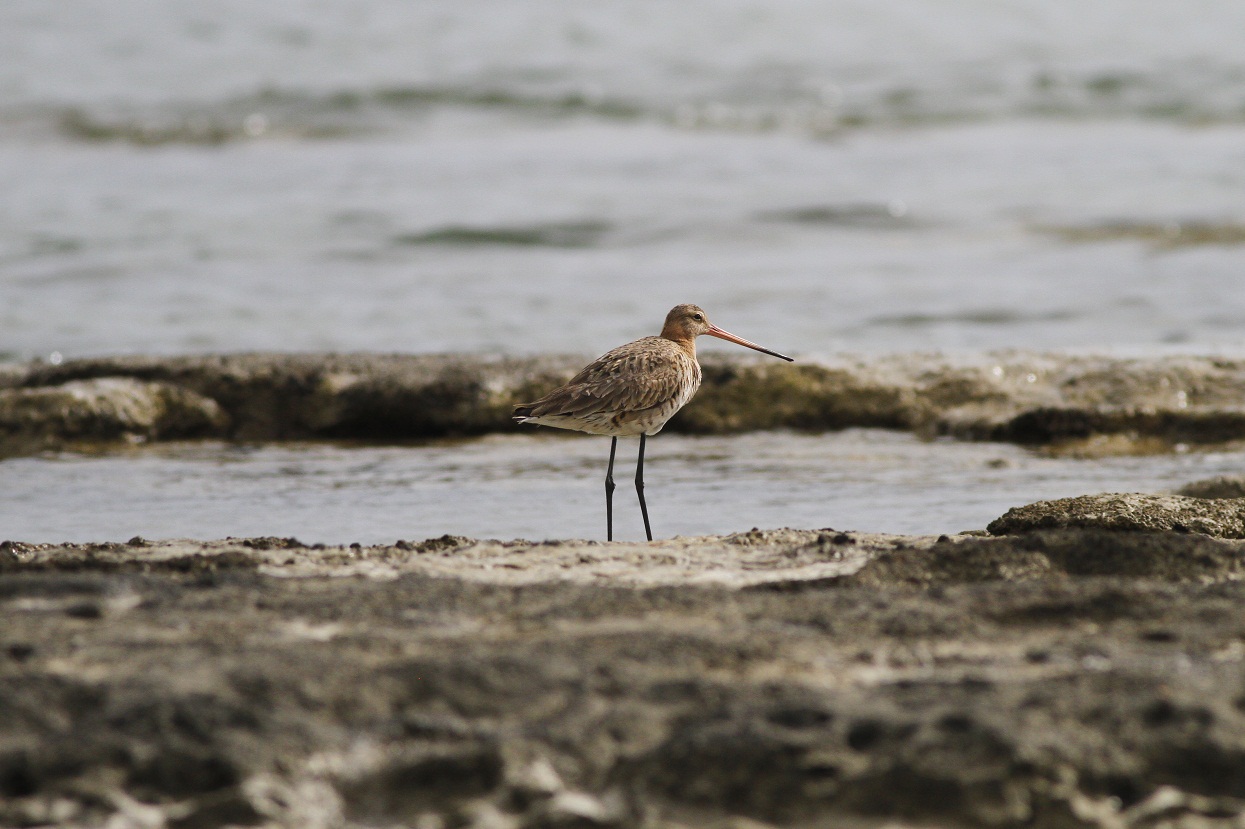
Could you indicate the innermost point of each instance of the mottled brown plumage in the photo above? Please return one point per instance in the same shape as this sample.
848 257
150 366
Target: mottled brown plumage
632 390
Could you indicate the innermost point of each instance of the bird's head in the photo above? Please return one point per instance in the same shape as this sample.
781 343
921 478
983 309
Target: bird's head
685 323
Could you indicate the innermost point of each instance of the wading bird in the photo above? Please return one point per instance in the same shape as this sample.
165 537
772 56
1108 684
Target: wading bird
633 390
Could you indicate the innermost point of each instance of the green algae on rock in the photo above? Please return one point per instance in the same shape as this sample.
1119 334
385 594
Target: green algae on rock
1059 401
103 409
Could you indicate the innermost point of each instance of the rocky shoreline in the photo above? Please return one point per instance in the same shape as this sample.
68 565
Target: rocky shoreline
1075 403
1077 663
1076 668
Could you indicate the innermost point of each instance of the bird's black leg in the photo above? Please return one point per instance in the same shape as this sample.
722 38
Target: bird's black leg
609 493
639 488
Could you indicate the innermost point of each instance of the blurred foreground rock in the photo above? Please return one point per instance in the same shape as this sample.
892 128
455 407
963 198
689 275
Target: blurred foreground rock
1073 677
1091 405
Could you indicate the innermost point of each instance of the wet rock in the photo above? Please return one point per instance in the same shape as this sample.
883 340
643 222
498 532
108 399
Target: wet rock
1065 677
104 409
1094 405
533 783
954 561
403 782
577 810
743 397
292 396
1222 486
1041 399
1128 511
1171 556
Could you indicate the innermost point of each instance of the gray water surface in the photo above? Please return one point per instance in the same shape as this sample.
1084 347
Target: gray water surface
548 176
547 486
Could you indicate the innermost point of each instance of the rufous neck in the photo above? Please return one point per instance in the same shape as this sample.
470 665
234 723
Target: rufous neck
688 344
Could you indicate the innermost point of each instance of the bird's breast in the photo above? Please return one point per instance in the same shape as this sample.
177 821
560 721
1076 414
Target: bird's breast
652 421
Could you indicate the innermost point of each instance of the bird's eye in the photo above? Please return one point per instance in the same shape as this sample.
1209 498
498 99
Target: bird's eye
698 317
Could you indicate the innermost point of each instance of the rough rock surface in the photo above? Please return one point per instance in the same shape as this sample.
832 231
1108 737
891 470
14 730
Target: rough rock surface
1094 405
1129 511
285 396
1076 677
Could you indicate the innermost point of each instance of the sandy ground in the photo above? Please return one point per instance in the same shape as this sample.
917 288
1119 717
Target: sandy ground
1071 676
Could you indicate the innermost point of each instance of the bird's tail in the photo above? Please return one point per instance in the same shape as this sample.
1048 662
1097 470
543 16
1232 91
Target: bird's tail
522 412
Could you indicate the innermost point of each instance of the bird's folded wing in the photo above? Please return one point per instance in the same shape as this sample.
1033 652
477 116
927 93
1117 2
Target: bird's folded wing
627 379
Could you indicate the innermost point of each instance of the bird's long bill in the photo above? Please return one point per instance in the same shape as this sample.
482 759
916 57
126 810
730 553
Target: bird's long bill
714 331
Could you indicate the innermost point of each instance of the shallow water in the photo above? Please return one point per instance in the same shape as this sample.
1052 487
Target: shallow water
381 175
546 486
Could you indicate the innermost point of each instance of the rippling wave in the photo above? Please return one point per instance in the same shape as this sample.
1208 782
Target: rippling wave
801 104
370 174
553 234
